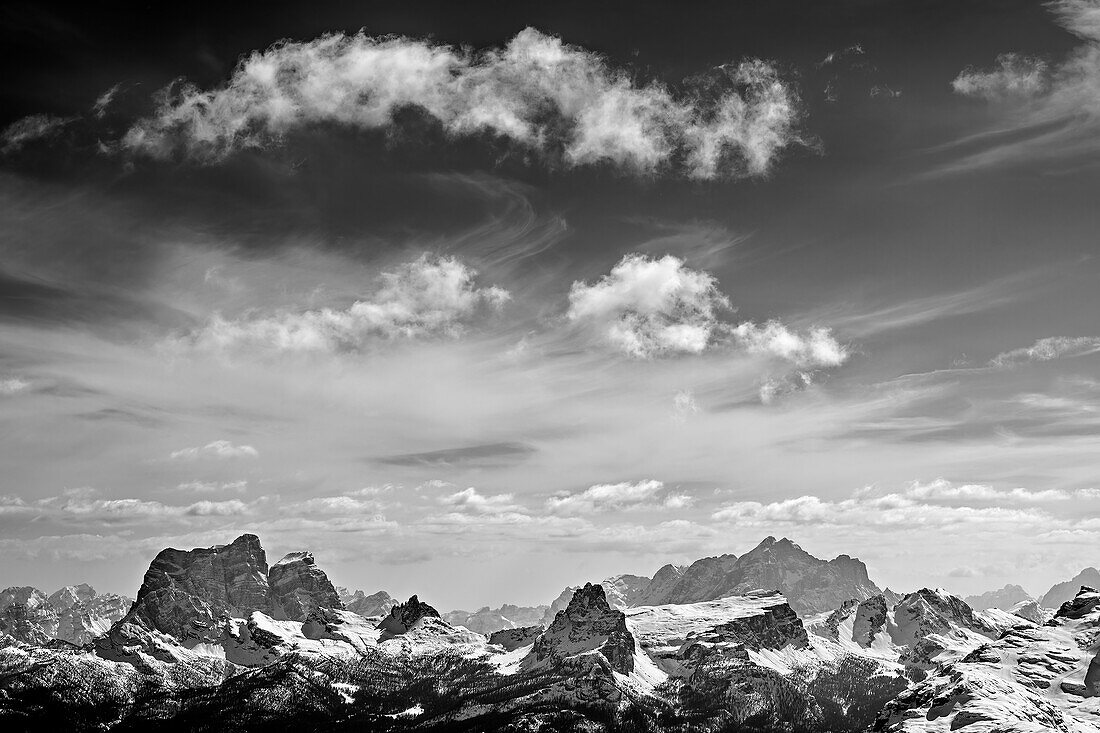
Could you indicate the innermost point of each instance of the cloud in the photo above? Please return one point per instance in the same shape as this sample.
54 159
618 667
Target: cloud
12 385
684 406
485 455
639 495
216 449
936 504
562 101
1050 113
212 486
1047 349
887 512
470 500
1014 76
29 129
430 296
217 508
651 307
647 308
963 572
815 348
103 101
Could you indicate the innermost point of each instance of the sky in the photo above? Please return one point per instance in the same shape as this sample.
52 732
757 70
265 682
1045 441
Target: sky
481 302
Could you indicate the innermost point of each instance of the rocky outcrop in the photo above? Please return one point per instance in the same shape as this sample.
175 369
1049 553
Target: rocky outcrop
929 623
1062 592
1005 598
810 585
660 586
376 604
490 620
1032 678
588 624
185 592
623 591
75 613
26 615
297 588
512 639
404 616
870 621
1031 611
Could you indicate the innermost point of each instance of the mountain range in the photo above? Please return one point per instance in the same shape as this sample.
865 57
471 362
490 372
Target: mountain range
775 639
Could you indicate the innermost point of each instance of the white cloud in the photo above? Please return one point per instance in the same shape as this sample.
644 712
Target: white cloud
217 508
215 449
1055 111
470 500
684 406
13 385
430 296
651 307
1048 349
338 505
29 129
814 348
648 308
1014 76
936 504
103 101
561 100
640 495
212 486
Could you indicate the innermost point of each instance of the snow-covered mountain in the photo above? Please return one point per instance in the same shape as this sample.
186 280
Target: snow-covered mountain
217 640
375 604
1032 678
75 614
1004 598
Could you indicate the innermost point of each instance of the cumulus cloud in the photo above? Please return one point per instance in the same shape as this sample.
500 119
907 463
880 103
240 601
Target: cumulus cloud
941 489
651 307
1013 76
625 495
430 296
29 129
815 348
1048 349
647 308
215 449
562 101
470 500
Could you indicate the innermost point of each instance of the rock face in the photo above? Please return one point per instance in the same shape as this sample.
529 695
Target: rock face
26 615
512 639
1032 611
298 588
810 585
376 604
588 624
1033 678
931 622
623 591
185 592
661 585
404 616
1005 598
870 621
1062 592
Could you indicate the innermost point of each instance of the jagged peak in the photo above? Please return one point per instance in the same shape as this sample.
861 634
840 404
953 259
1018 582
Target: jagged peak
302 556
404 616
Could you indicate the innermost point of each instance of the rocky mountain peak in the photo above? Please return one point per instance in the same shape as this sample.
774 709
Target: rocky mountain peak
588 624
404 616
298 587
375 604
70 595
1067 591
1004 598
